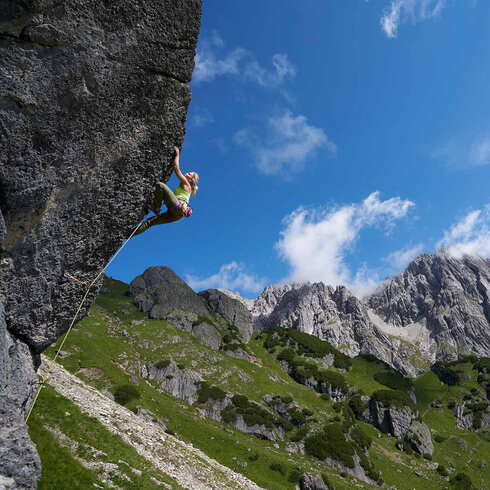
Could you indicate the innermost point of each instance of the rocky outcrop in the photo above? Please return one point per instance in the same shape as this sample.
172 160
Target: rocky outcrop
19 461
261 431
336 394
391 418
159 291
93 97
468 418
311 481
181 383
231 309
401 421
207 333
446 298
418 435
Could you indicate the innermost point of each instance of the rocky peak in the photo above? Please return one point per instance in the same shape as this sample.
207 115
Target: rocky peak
266 302
159 291
448 297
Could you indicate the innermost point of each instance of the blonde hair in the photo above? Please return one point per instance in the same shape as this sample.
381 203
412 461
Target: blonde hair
195 180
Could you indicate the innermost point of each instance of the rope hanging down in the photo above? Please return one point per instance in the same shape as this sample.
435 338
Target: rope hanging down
89 287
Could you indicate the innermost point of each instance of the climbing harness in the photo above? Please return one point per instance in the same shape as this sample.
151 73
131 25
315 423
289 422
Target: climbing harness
89 287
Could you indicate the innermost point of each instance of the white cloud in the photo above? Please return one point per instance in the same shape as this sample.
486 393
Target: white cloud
231 276
400 258
211 61
289 142
202 118
470 235
315 242
408 11
480 151
471 153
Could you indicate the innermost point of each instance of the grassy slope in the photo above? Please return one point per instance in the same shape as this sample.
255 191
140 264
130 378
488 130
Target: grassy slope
99 354
64 467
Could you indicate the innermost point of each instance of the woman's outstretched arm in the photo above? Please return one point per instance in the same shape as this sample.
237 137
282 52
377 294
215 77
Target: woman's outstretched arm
184 183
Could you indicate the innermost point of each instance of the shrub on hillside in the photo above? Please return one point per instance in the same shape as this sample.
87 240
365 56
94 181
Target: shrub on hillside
438 438
357 405
294 476
371 358
297 418
461 481
360 437
207 391
482 364
162 364
286 355
125 393
279 467
394 380
446 373
393 398
300 434
240 401
442 470
331 442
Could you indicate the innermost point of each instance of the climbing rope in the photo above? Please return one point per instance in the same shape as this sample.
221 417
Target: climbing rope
89 287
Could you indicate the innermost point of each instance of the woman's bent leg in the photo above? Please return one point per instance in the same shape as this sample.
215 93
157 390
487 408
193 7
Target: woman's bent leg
161 219
163 193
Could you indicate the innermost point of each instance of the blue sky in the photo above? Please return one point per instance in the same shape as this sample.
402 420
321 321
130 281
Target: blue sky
335 140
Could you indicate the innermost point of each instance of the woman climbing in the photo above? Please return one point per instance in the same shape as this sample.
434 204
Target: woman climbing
177 202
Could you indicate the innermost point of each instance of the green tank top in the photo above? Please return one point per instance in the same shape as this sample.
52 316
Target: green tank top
180 193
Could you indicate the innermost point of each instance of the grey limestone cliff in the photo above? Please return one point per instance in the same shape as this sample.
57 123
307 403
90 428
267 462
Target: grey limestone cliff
437 309
93 97
440 301
331 314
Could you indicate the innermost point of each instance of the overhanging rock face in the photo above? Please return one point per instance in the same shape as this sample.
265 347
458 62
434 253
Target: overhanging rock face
93 97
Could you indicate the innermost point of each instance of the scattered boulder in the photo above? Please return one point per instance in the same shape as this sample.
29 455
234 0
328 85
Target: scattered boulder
311 481
419 436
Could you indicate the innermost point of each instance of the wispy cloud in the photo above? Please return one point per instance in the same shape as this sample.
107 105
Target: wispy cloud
288 143
399 259
315 242
230 276
213 61
474 152
470 235
408 11
202 118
